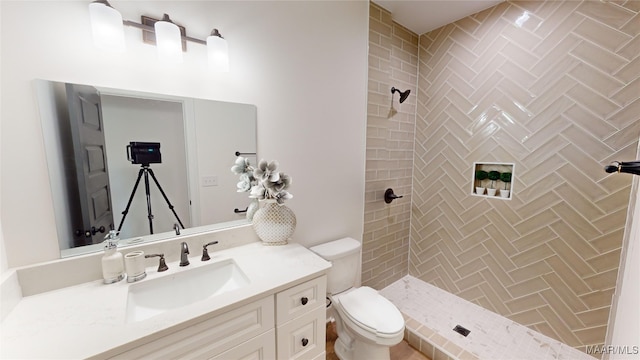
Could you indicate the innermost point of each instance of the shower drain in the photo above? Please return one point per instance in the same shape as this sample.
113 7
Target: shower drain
462 331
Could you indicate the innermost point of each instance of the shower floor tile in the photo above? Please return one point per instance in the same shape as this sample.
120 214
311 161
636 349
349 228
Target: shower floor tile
492 336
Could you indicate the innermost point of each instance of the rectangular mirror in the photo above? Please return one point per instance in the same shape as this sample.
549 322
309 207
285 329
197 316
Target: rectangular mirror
150 165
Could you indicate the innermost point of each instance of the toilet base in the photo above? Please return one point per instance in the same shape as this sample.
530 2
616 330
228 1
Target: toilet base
361 351
349 346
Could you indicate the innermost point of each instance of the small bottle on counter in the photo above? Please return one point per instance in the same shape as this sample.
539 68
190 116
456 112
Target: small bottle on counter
112 261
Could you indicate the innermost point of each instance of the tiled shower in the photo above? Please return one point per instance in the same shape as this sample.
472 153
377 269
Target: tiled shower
548 86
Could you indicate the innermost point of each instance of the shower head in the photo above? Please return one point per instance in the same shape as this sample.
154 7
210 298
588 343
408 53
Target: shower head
403 94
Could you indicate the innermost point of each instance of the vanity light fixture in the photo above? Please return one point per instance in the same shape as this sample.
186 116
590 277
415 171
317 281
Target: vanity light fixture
108 32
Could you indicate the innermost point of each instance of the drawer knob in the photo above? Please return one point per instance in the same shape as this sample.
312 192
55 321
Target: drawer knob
304 300
305 341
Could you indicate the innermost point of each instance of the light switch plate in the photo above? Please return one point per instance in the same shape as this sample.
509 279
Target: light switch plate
211 180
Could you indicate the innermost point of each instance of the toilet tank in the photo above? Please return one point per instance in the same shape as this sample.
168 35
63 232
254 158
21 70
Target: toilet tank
344 255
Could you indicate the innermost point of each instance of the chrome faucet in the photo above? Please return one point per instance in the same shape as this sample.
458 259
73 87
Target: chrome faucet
184 251
176 228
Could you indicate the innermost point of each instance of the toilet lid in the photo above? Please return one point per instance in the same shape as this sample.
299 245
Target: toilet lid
365 306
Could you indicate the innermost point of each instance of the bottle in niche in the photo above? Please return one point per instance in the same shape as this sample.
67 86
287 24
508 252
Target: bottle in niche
112 261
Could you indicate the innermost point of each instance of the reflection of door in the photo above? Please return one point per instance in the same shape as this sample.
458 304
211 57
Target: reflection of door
87 133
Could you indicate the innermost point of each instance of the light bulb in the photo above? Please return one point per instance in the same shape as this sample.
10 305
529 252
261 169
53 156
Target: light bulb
168 42
218 52
106 27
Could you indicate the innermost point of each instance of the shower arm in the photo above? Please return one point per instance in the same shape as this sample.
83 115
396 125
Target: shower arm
629 167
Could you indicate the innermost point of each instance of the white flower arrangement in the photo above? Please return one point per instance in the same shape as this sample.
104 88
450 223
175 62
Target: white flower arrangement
262 182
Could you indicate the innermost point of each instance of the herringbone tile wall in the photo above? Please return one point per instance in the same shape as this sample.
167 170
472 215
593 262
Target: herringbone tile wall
393 62
554 87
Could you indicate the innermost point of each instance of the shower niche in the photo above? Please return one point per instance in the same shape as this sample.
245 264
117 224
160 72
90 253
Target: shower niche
493 180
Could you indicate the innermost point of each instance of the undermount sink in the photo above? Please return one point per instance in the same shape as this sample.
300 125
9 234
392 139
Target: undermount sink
155 296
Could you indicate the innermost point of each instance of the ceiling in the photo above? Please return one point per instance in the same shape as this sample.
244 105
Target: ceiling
421 16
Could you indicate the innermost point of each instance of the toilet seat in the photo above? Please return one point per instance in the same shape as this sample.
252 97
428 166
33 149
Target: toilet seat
371 312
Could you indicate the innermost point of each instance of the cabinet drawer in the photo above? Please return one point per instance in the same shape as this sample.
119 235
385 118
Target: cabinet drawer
303 337
262 347
210 337
300 299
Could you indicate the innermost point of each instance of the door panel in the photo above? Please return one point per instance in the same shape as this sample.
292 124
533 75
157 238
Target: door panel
87 133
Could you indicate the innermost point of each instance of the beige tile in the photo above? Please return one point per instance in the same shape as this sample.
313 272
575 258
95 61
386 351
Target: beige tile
598 298
595 102
604 280
591 335
452 349
574 302
563 312
534 238
609 13
427 348
596 317
575 220
601 34
496 269
527 317
495 297
524 303
607 261
573 281
530 271
527 287
565 334
573 260
532 255
574 240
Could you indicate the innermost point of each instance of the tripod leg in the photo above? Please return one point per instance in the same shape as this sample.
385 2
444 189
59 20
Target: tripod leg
133 192
146 189
165 197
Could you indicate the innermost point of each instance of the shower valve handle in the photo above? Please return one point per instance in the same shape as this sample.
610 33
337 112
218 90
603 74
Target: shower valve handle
389 196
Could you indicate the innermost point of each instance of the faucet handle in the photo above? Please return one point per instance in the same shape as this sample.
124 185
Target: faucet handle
205 252
162 266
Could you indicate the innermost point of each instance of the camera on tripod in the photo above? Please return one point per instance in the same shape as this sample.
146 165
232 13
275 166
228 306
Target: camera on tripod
144 153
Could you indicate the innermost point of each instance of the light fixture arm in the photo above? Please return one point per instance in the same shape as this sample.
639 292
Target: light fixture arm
151 29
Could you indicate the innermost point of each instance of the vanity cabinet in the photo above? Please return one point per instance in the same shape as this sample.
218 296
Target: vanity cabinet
300 320
287 325
215 335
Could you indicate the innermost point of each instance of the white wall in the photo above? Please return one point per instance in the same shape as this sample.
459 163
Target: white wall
129 119
221 129
303 64
624 318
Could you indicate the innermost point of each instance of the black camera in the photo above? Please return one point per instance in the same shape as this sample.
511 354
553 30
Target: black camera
144 153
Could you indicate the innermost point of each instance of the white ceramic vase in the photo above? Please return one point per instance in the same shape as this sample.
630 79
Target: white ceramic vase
479 190
491 192
504 193
274 224
252 208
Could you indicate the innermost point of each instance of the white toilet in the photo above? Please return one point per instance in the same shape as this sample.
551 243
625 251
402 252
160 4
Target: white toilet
367 323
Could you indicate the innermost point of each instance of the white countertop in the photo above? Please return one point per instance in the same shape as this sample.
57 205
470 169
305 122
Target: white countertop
89 319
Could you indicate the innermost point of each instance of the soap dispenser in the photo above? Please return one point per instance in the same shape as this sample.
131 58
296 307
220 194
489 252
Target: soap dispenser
112 261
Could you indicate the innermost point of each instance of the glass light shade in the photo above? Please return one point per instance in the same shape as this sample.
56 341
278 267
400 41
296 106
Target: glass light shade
218 53
106 27
168 42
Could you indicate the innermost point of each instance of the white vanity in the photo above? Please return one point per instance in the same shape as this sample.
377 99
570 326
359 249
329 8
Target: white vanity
273 309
